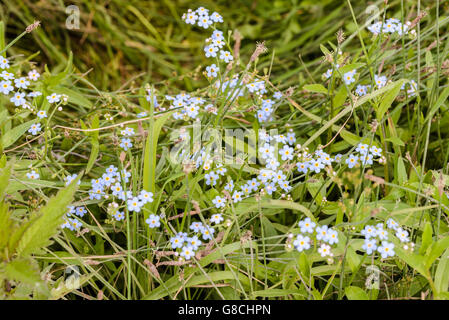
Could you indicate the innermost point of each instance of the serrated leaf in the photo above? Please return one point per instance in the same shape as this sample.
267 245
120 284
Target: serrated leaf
14 134
22 271
47 222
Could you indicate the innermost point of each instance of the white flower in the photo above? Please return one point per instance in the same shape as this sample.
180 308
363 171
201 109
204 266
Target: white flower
321 233
54 98
22 83
35 128
402 235
6 87
369 245
324 250
216 218
187 252
386 249
42 114
33 175
18 99
369 231
301 243
286 153
219 202
237 197
307 225
153 221
135 204
332 236
33 75
145 196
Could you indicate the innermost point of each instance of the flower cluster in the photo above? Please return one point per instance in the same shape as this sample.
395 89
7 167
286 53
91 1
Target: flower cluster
390 26
125 142
17 86
266 111
189 245
113 184
379 82
186 107
215 44
70 220
324 235
376 238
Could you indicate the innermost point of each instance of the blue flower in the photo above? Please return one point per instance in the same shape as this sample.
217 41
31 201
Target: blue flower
126 144
187 252
153 221
306 225
226 56
212 71
35 129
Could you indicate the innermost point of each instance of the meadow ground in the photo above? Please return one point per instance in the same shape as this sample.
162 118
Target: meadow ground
281 149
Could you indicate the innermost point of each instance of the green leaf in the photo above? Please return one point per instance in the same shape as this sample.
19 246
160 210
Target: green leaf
442 273
442 98
315 88
53 80
436 250
273 293
442 295
2 36
389 97
149 166
5 174
47 222
95 144
74 96
22 271
426 238
355 293
401 172
304 265
350 67
5 224
415 261
352 258
396 141
13 135
340 97
285 204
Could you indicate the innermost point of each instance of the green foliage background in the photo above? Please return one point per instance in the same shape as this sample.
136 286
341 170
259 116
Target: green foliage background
122 44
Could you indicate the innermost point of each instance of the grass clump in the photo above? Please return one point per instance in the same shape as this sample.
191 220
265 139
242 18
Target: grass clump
211 166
